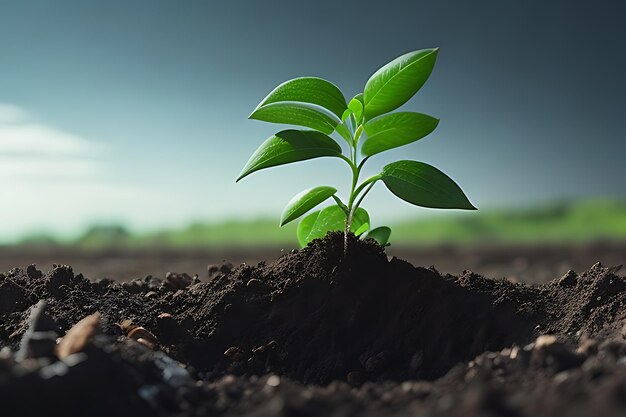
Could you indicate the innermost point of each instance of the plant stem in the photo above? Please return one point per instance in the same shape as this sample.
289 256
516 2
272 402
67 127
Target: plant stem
367 190
355 179
355 191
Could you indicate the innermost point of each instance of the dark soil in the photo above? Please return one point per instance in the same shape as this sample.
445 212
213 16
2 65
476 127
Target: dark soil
316 334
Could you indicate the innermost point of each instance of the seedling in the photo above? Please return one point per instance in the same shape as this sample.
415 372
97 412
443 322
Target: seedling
366 125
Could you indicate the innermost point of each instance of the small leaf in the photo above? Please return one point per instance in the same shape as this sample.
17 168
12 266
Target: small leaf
359 218
362 229
305 201
295 113
424 185
396 129
318 223
380 235
332 218
356 105
395 83
311 90
346 114
290 146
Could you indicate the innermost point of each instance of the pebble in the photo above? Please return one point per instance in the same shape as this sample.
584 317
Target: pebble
545 340
78 336
141 333
273 381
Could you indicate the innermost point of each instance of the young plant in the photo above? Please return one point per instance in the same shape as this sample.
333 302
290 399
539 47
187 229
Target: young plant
366 125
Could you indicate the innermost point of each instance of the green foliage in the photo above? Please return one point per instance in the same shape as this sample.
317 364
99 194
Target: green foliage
424 185
291 146
319 105
380 235
395 83
310 90
395 130
331 218
305 201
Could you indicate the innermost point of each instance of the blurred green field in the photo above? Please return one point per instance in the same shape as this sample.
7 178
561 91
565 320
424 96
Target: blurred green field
558 223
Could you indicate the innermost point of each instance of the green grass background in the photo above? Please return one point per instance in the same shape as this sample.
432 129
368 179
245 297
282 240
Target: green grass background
564 222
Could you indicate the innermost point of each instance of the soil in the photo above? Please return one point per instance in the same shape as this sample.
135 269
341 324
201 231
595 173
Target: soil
313 333
532 264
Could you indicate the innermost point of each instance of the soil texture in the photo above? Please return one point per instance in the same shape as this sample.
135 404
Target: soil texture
313 333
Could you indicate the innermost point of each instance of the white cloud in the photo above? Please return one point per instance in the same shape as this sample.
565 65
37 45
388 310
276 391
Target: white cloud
10 113
31 150
35 167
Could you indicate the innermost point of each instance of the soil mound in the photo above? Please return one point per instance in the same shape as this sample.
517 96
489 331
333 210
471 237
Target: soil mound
312 316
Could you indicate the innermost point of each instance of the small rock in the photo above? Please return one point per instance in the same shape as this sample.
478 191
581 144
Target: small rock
78 336
152 294
141 333
273 381
545 340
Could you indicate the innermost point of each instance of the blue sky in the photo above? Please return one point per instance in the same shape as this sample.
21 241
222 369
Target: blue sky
136 111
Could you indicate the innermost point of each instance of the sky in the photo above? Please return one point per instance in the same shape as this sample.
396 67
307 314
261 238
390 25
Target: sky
135 112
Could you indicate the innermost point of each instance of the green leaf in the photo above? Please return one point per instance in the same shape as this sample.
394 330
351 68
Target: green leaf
344 132
396 129
359 218
379 234
332 218
346 114
362 229
395 83
356 105
296 113
318 223
305 201
424 185
290 146
311 90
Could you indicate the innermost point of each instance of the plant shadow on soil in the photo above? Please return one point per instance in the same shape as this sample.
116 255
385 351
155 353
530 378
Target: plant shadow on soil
312 316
